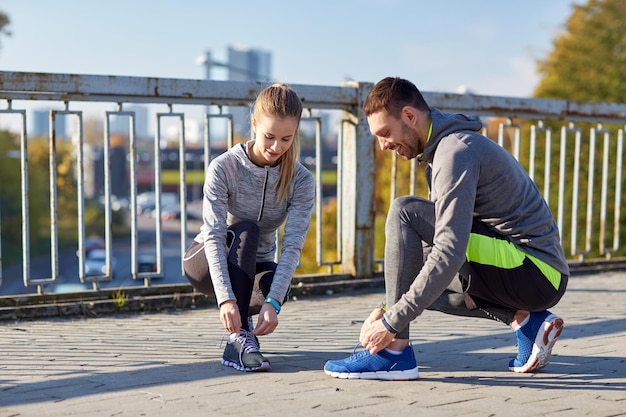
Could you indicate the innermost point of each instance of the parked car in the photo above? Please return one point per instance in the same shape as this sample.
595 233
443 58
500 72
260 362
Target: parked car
93 242
95 263
146 202
172 211
146 263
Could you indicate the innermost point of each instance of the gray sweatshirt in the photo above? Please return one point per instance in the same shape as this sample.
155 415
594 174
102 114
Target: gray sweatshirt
472 176
237 189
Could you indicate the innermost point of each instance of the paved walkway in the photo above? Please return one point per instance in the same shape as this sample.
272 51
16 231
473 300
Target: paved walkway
167 364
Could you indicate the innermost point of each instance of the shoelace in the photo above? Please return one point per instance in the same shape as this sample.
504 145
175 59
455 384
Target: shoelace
248 342
225 335
355 355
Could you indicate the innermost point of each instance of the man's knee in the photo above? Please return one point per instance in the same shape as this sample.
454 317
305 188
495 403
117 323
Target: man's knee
411 204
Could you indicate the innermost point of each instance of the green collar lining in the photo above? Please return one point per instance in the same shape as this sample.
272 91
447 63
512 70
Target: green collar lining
430 132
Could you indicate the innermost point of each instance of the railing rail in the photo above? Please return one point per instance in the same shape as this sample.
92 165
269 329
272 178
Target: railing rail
589 135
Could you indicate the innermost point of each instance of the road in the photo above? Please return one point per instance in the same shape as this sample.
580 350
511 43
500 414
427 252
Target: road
40 268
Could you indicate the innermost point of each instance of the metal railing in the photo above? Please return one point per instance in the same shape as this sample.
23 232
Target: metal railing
560 143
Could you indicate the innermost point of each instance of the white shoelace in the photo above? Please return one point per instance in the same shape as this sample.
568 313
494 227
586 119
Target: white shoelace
248 342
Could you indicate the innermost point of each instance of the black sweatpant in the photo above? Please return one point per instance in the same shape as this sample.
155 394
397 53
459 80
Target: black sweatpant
250 280
497 292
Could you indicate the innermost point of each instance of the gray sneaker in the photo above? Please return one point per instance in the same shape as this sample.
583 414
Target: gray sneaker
242 353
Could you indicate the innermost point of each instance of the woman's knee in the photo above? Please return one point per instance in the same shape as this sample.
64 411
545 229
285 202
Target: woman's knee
245 226
199 277
243 234
196 268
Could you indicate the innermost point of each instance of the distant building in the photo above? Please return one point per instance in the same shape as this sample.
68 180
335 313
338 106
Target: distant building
247 64
95 165
40 124
242 64
120 125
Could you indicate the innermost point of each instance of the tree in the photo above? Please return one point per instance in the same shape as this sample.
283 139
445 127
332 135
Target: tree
587 64
4 22
588 59
11 200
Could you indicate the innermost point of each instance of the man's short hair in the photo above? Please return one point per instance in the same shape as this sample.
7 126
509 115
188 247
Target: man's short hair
392 94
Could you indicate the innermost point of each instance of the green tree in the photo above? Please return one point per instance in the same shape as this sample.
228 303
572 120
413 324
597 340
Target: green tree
10 209
588 59
39 199
11 201
587 64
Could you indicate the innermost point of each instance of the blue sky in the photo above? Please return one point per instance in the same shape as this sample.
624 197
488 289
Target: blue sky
488 46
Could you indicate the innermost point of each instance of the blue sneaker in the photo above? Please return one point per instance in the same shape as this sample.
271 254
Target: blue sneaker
383 365
535 340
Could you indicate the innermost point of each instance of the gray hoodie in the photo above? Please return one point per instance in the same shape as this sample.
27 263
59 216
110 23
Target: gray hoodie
237 189
472 176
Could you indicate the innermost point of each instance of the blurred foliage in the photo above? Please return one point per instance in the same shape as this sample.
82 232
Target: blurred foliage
409 179
10 207
588 58
308 262
38 162
384 174
586 64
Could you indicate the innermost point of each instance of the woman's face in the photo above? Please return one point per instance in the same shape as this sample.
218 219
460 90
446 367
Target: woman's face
273 137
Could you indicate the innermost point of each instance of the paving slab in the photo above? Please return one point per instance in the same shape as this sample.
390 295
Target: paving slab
168 363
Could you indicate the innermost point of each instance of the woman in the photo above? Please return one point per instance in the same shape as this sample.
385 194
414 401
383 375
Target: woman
249 192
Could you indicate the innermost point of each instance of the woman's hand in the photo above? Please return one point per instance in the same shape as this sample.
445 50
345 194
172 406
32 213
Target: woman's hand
268 320
230 316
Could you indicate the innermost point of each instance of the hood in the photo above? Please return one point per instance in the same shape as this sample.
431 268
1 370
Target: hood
443 125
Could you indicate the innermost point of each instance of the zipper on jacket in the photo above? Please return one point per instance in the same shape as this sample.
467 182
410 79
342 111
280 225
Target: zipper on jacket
267 174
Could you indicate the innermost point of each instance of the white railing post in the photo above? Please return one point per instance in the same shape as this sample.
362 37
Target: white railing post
357 192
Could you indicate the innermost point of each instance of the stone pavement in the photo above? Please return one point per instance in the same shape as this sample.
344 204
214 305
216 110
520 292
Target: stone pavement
168 364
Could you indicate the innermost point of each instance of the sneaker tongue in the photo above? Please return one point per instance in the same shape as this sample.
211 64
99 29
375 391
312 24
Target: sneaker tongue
250 349
248 342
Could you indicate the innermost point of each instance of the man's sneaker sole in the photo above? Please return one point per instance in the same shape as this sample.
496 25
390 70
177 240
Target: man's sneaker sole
552 327
265 366
407 375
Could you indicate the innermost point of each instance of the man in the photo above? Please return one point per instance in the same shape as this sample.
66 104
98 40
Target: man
484 245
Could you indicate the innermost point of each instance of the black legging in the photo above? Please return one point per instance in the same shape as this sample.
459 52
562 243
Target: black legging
250 281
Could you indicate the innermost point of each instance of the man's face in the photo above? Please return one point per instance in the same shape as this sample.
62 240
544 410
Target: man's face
396 134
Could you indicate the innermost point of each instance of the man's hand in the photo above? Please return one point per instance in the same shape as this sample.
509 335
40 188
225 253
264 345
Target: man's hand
374 315
374 335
